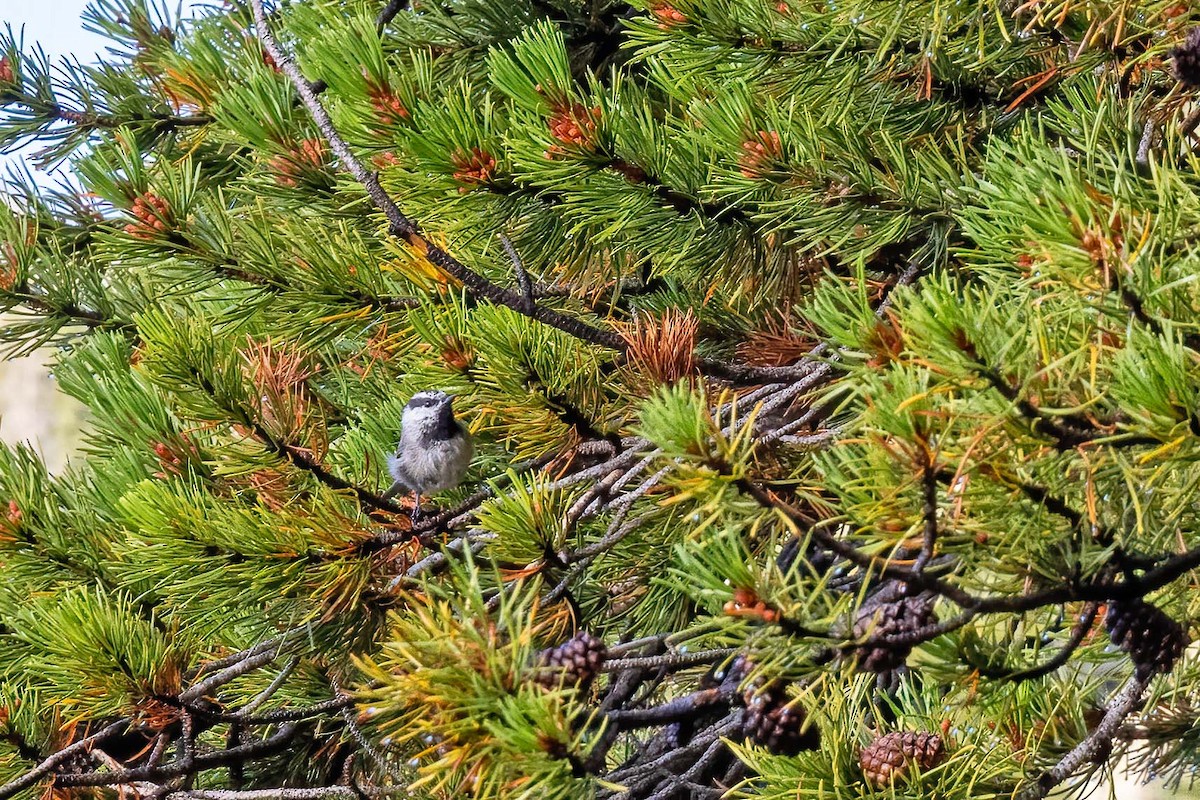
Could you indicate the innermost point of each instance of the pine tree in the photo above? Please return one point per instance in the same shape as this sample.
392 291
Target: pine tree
833 368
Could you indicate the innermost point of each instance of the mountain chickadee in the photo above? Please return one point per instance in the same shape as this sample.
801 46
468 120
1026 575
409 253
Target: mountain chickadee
434 450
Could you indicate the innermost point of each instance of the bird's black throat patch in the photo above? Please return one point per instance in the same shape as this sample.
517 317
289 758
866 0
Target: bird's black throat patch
445 426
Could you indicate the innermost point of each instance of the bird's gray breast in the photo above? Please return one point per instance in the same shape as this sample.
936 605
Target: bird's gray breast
427 464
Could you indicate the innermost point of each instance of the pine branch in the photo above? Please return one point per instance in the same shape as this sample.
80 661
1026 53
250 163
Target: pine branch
303 461
405 229
184 766
88 318
681 202
51 763
389 13
226 265
159 122
1125 703
1098 589
1069 431
1078 633
400 225
916 636
1137 309
929 510
227 669
284 793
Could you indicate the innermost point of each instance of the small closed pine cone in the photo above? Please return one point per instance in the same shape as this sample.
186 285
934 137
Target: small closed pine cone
888 756
771 722
1153 640
574 662
1185 59
903 615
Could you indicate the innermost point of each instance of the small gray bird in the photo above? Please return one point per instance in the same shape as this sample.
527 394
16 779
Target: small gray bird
434 450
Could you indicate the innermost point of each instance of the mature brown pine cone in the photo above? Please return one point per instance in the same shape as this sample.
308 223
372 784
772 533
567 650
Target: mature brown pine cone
901 615
888 756
574 662
775 725
1153 640
1185 59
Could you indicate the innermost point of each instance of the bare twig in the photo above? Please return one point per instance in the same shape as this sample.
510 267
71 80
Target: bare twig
294 714
523 282
272 688
367 747
261 647
674 660
389 13
1188 126
317 793
235 670
62 756
182 767
1147 141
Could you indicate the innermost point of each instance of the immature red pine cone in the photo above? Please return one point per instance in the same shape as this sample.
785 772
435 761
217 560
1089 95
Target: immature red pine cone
574 663
574 124
757 153
473 167
389 108
888 756
668 16
290 168
152 214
